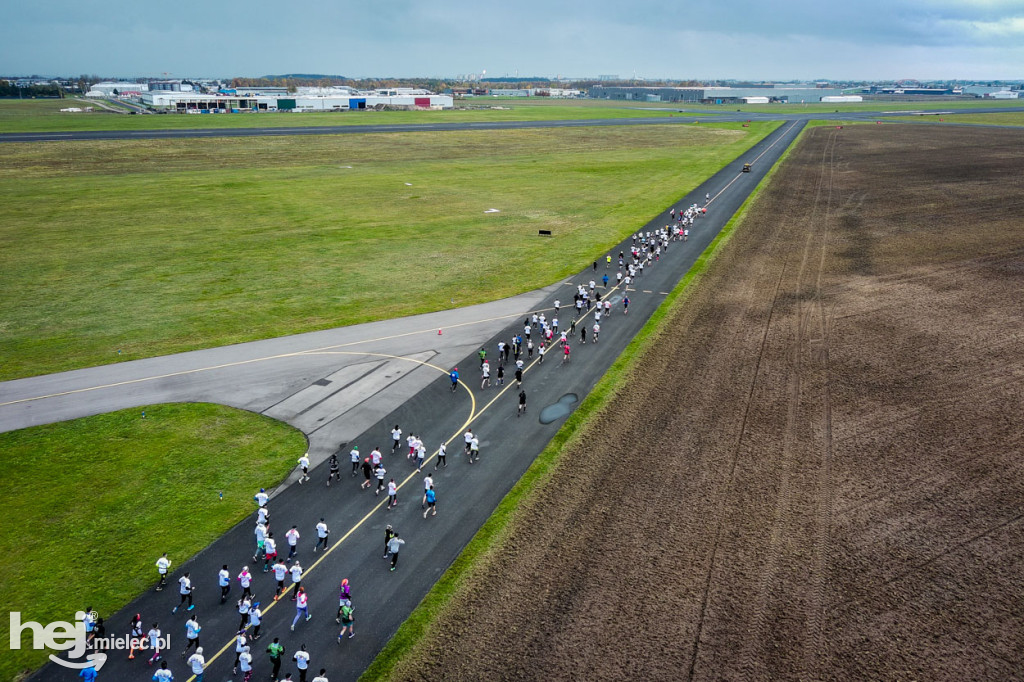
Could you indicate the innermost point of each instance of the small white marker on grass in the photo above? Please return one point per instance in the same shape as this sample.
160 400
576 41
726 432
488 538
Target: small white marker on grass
492 210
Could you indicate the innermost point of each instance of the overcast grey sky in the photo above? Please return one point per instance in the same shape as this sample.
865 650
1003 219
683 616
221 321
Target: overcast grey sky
756 39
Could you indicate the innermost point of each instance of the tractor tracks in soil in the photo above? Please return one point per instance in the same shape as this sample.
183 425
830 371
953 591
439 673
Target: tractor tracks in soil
808 353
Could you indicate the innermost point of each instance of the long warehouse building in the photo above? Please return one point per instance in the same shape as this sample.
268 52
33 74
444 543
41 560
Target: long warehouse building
210 103
715 95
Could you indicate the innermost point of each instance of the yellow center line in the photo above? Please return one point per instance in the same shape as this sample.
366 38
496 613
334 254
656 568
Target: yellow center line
474 414
376 507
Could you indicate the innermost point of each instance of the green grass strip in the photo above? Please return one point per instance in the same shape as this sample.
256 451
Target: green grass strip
158 246
496 528
92 503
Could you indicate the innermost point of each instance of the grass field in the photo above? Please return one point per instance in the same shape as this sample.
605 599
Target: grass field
22 116
161 246
44 115
93 502
828 108
1009 118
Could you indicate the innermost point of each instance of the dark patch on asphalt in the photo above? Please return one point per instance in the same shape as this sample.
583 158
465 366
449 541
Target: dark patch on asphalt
562 408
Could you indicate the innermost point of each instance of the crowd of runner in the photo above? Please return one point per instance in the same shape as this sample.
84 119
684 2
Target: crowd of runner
277 554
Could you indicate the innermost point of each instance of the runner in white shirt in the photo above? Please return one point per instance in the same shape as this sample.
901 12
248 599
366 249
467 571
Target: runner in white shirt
261 497
304 465
244 604
301 658
411 442
154 642
379 472
192 629
162 566
375 457
269 551
224 582
468 436
355 458
197 662
262 515
163 674
296 571
245 581
392 494
292 536
185 590
396 437
241 646
428 482
245 664
442 453
280 571
255 620
421 454
597 330
261 536
321 535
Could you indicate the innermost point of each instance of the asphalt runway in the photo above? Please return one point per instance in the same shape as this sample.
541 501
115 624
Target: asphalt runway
467 494
707 117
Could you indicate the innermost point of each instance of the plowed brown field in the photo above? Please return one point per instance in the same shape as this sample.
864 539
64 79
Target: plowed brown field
817 472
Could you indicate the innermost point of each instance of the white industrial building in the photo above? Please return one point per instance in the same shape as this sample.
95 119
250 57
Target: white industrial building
755 100
842 98
1003 94
233 102
106 89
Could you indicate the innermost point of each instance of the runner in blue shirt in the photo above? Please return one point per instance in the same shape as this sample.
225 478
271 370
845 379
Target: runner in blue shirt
454 375
430 498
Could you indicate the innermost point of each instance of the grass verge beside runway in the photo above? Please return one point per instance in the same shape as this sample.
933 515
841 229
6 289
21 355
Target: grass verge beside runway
91 503
44 115
401 658
1009 118
796 108
154 247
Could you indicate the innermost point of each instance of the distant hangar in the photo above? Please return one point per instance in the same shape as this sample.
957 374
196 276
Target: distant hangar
717 95
311 99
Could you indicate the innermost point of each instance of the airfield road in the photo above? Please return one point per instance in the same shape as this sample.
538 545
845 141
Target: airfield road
301 378
816 473
705 116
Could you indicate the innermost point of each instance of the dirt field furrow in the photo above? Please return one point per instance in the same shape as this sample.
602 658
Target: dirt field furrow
817 472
